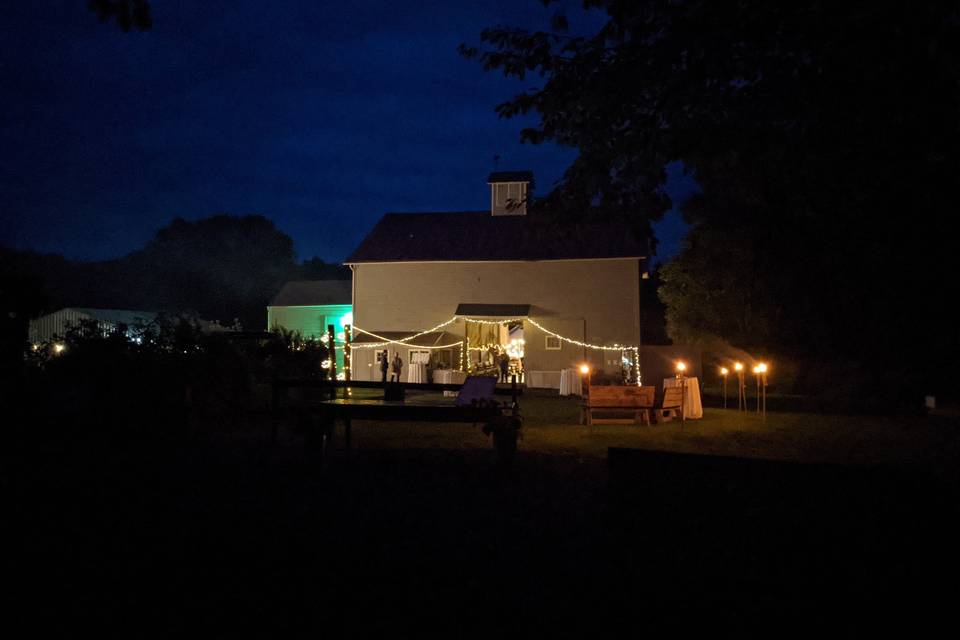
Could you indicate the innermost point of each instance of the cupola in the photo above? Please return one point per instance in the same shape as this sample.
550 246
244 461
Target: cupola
510 192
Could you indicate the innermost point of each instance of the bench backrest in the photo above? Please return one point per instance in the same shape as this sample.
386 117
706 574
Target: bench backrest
672 397
476 388
621 396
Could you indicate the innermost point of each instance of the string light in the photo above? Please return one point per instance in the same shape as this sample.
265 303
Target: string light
636 362
616 347
378 345
385 341
465 348
501 321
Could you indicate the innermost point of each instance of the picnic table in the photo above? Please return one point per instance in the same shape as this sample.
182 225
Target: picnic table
413 409
474 404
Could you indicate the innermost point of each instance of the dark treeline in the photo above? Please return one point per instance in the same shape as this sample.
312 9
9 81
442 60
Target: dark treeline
222 268
825 141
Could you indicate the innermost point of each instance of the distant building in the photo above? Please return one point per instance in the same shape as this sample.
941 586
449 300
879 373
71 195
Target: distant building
309 306
53 325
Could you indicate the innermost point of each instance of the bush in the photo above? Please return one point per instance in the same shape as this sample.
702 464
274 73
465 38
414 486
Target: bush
157 379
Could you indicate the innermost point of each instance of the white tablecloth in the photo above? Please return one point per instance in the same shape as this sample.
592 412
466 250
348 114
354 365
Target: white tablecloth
692 409
542 379
570 383
449 376
416 372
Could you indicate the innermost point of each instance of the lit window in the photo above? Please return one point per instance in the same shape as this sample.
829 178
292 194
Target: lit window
419 356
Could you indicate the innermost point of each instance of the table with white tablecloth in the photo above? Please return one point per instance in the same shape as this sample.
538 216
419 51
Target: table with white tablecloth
692 409
417 372
449 376
542 379
571 382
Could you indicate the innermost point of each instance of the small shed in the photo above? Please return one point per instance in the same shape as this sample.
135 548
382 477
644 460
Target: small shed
308 306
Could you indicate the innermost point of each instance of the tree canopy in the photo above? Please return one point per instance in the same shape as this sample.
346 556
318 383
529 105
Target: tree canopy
222 267
825 138
128 14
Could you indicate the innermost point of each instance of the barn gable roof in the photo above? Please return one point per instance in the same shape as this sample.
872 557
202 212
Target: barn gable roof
479 236
305 293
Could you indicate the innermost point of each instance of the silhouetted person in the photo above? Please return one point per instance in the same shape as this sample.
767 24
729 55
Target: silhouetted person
504 366
384 365
397 366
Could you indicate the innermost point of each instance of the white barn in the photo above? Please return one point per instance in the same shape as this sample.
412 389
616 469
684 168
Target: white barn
527 274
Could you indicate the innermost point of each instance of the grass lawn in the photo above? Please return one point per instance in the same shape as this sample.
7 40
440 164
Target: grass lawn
551 426
419 529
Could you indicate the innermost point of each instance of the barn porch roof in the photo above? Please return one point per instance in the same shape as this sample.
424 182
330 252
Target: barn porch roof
476 310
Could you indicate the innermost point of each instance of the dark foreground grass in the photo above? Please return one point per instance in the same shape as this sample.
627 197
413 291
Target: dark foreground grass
418 530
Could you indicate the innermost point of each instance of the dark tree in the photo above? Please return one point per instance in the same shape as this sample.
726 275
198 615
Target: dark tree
824 136
316 269
128 14
222 267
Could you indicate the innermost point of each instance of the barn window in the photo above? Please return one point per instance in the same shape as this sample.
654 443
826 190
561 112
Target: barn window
419 356
553 343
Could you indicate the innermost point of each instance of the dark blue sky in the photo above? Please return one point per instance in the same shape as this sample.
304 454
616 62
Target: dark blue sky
319 116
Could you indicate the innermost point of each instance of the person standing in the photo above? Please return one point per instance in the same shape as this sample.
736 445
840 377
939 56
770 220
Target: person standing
384 364
397 366
504 366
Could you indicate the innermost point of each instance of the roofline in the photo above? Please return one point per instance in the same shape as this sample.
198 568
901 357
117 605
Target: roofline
487 261
322 304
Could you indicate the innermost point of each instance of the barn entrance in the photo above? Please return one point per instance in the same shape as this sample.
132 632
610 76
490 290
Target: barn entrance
494 334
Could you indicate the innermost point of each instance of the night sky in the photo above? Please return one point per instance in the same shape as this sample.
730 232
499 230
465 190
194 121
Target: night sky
319 116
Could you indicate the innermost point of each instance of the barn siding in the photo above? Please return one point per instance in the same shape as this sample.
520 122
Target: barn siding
310 321
595 298
55 324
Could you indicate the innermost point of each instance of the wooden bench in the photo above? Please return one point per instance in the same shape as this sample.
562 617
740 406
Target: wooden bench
620 399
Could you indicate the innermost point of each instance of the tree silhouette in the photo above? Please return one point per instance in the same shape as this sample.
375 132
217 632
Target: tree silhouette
128 14
222 268
825 141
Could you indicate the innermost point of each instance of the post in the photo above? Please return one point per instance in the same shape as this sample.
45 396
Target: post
347 368
741 388
683 400
758 392
332 357
464 352
682 379
764 395
347 352
724 391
